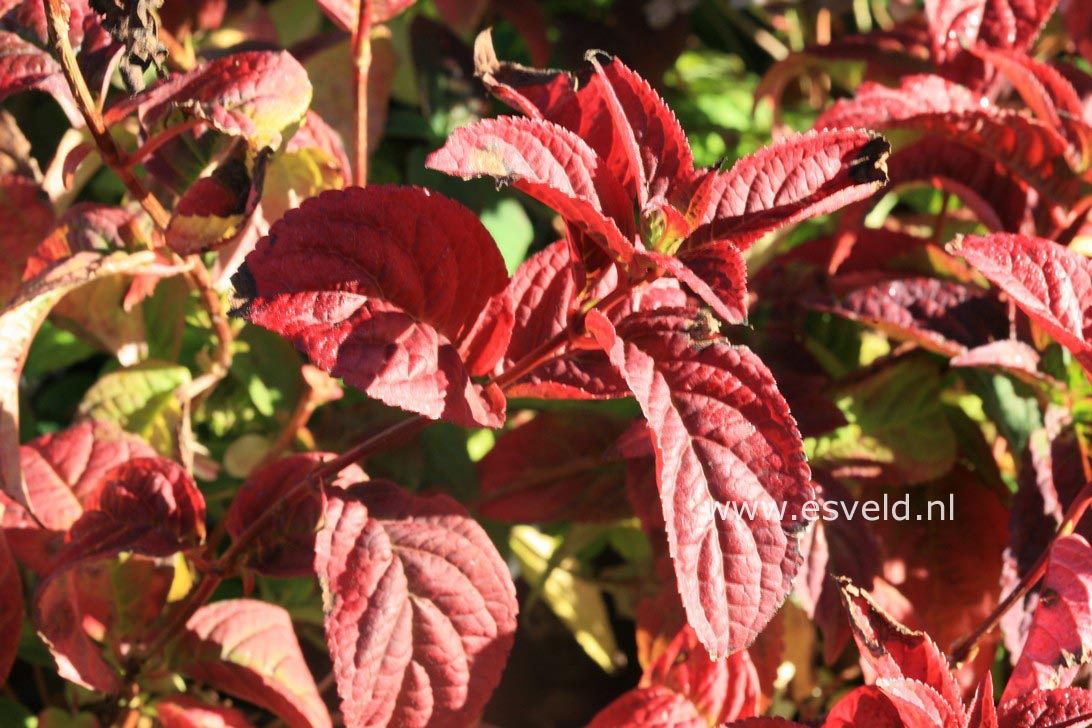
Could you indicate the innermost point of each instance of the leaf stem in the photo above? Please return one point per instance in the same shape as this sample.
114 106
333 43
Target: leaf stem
197 275
362 62
962 649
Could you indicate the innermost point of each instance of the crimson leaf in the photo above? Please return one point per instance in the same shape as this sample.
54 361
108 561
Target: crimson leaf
11 608
381 286
248 648
1061 630
420 608
723 436
1049 282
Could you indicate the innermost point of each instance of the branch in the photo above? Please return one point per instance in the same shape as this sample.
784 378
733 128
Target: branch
197 276
362 62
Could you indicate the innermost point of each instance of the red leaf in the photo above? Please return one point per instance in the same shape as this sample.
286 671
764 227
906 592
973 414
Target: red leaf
184 711
716 273
953 24
26 217
657 706
867 706
1078 21
99 608
721 691
11 607
287 546
560 466
722 434
64 469
936 106
380 286
544 299
795 178
346 12
552 165
248 649
941 316
24 66
982 713
1049 282
1061 630
29 20
897 653
420 608
1047 708
147 505
215 210
254 94
1014 23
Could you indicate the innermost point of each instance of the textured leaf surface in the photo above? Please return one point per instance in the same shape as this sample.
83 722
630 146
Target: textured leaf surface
185 711
421 610
798 177
287 546
1059 707
255 94
346 12
560 466
140 399
1049 282
24 66
381 286
544 293
942 316
936 106
64 469
722 435
654 707
552 165
26 216
1061 630
248 649
19 322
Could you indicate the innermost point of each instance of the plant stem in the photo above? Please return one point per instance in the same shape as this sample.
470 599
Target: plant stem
362 62
962 649
197 275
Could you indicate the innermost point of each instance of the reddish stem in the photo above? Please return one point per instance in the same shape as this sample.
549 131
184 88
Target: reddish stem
962 649
362 62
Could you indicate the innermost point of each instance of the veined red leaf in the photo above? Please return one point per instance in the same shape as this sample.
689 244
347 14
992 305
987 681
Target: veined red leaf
716 273
11 607
1048 93
1078 21
941 316
953 24
380 286
544 299
29 20
764 723
933 105
660 155
897 653
723 437
26 216
560 466
100 608
996 196
1014 24
215 210
1049 282
19 322
248 649
287 547
552 165
257 95
420 608
186 711
63 470
24 66
981 711
657 706
1061 630
148 505
1058 707
793 179
346 12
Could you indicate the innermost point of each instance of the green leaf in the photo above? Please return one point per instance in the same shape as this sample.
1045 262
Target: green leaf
898 432
141 399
